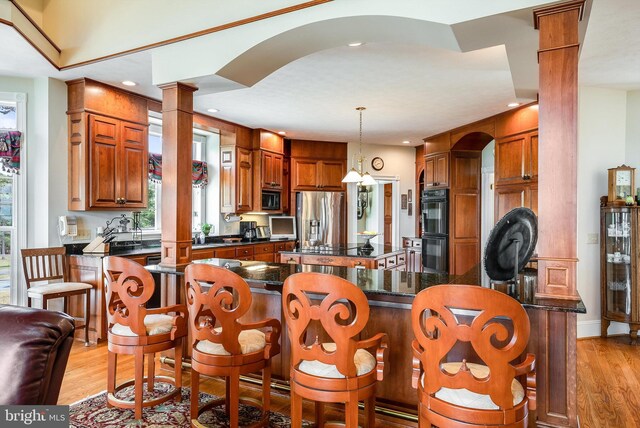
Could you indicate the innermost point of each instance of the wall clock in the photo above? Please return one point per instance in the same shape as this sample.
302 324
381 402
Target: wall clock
621 184
377 163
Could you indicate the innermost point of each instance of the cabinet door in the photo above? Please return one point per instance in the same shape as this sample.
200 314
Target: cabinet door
103 174
442 170
244 191
510 159
531 160
277 171
227 180
331 175
429 171
304 174
436 170
133 175
508 198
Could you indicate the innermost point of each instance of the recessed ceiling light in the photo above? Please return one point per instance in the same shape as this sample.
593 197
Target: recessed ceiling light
355 44
406 142
213 110
282 133
513 104
128 83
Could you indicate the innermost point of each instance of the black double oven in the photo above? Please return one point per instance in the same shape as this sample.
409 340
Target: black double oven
435 230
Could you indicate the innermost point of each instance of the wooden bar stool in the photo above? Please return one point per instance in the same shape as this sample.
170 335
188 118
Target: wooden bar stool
340 370
45 272
133 329
468 340
224 346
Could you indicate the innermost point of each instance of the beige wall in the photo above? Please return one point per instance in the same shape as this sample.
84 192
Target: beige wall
601 145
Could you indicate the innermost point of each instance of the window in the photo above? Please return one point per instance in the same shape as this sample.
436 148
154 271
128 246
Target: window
12 203
150 219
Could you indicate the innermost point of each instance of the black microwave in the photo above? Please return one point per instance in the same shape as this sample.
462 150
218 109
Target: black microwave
270 201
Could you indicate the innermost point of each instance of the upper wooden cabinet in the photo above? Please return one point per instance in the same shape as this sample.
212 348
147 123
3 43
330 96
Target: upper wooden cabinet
515 196
313 174
517 159
436 170
271 170
236 179
107 154
116 174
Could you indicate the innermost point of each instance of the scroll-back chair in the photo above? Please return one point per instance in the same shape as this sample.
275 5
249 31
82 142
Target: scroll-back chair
455 325
47 277
135 330
224 346
342 370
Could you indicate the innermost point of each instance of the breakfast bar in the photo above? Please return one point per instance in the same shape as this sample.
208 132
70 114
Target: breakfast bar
390 294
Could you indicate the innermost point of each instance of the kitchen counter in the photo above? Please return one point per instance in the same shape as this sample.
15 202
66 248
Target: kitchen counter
349 250
390 295
374 282
153 247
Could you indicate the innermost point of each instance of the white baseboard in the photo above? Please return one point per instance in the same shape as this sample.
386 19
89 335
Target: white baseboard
591 328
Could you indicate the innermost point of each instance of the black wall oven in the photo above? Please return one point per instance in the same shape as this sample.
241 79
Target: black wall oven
435 234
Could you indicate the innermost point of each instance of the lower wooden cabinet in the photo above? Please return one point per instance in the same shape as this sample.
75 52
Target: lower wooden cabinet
413 254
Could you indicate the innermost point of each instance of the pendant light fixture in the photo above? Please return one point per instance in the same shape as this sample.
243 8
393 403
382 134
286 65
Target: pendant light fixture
356 175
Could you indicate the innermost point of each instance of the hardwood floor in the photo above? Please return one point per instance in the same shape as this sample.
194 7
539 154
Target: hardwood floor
608 381
86 375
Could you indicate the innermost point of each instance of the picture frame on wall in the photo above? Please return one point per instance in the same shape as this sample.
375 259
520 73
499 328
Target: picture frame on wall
410 209
410 195
403 202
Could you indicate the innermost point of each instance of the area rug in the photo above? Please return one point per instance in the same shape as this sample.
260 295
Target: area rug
92 412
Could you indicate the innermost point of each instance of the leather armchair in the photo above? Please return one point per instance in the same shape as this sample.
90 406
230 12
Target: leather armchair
34 350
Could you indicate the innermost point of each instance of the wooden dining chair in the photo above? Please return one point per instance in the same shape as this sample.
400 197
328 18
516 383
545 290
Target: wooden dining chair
341 369
47 277
469 368
135 330
222 344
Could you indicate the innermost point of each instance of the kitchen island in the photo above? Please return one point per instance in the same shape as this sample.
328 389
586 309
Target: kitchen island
390 294
375 256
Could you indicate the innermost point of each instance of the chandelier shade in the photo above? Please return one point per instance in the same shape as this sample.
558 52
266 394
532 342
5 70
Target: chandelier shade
357 175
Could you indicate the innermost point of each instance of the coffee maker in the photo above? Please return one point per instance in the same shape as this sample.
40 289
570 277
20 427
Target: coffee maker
248 230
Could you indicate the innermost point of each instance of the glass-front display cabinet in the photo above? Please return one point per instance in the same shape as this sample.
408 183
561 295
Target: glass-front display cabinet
619 256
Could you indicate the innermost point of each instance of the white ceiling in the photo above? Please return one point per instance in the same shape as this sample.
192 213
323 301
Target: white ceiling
410 90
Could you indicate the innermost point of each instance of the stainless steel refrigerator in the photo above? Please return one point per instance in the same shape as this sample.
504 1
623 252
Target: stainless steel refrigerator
320 218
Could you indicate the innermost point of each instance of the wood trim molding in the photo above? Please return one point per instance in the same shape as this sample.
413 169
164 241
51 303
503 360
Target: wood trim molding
35 25
558 8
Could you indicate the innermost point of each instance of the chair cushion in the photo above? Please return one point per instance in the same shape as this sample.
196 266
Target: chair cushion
250 341
365 362
57 287
465 398
155 324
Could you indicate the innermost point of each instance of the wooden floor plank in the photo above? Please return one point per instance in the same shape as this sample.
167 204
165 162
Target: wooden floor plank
608 381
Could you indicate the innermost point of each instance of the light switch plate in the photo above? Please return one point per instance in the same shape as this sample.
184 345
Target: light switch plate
592 238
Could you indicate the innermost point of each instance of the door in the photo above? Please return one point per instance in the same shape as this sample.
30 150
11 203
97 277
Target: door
435 216
331 173
104 162
244 190
388 214
133 177
442 170
434 254
272 166
510 159
429 171
304 174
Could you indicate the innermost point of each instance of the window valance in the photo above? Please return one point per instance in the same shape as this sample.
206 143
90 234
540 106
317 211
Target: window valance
10 151
199 171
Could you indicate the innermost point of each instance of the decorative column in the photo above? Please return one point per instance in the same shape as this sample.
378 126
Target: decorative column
557 148
553 333
177 154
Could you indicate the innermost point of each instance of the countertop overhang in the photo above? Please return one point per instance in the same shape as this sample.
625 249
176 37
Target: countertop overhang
375 283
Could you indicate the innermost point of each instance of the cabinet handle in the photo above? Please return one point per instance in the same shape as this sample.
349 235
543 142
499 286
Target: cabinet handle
358 263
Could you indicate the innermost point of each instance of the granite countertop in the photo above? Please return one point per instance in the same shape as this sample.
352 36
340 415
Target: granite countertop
348 250
153 246
372 281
